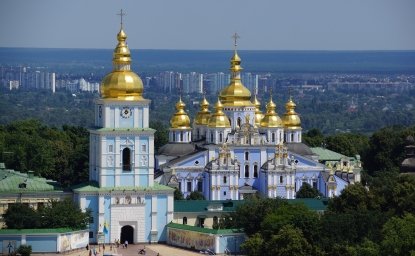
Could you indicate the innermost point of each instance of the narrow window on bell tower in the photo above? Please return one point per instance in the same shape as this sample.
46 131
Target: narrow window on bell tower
126 159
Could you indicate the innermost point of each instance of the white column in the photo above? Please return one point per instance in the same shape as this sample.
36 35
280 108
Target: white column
153 214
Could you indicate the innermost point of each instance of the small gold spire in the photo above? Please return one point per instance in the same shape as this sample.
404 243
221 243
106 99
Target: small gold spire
202 117
291 119
180 119
122 83
271 119
218 119
235 94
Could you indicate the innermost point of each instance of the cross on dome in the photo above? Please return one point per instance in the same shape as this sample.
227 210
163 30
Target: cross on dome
235 39
122 14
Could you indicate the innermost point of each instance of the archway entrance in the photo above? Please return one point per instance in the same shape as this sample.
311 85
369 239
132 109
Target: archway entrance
127 233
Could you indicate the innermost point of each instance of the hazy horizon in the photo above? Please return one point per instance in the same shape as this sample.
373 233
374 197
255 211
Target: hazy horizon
298 25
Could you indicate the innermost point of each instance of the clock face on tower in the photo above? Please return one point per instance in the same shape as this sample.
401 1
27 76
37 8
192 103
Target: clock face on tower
125 112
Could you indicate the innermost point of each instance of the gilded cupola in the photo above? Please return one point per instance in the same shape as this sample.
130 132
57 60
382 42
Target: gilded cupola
180 119
291 119
202 117
235 94
271 119
122 83
258 113
218 119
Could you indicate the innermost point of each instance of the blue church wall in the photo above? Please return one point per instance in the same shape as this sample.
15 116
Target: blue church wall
148 217
127 179
16 241
223 191
143 141
110 140
42 243
231 243
107 218
341 184
162 217
127 122
91 203
322 185
110 181
143 180
302 160
192 161
263 181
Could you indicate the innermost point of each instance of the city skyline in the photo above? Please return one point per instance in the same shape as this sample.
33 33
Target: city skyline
208 25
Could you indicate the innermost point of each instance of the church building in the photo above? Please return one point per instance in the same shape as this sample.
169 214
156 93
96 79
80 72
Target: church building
237 150
125 201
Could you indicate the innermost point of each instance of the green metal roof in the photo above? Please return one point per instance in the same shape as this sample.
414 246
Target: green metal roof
16 182
36 231
94 187
327 154
201 206
204 230
311 203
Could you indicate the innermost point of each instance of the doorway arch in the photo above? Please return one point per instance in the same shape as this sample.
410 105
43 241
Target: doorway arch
127 233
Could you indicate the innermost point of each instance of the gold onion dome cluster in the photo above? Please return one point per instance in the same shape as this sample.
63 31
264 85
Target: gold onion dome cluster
258 113
180 119
202 117
271 119
291 119
235 94
122 83
218 119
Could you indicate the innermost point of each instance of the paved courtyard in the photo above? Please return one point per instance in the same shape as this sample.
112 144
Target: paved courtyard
151 250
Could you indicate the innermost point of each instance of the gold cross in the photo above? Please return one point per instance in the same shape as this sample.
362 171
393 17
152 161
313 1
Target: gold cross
235 39
121 14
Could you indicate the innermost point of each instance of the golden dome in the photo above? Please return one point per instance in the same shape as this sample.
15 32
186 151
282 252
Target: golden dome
291 119
180 119
271 119
202 117
122 83
258 113
219 119
235 94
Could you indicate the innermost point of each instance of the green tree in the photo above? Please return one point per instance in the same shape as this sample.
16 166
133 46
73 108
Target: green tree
306 191
64 214
348 144
195 195
20 216
161 137
253 246
399 236
288 241
250 215
314 138
24 250
178 195
354 197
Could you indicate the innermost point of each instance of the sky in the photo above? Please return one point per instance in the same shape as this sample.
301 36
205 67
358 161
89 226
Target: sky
209 24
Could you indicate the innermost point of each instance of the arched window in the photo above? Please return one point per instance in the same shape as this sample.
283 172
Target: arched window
211 137
224 180
273 137
220 137
126 159
181 136
246 156
255 171
174 136
239 122
292 137
184 220
281 179
246 171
